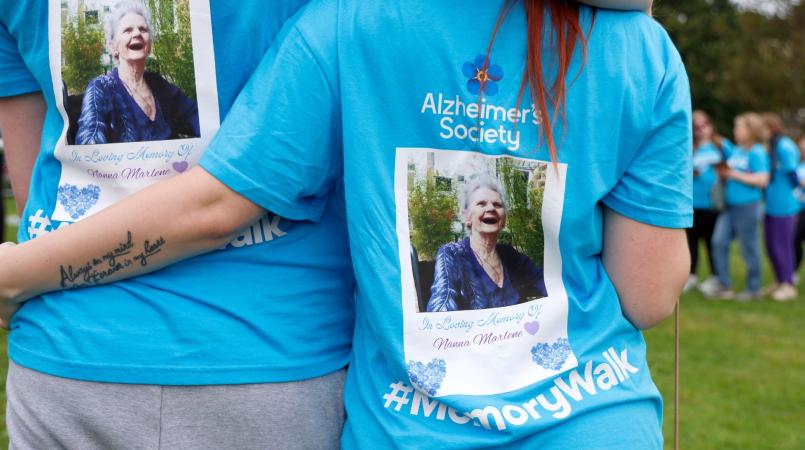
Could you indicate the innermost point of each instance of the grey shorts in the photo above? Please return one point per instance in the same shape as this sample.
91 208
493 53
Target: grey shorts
47 412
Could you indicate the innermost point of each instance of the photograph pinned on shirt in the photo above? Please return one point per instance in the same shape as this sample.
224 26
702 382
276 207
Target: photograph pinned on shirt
476 232
138 95
481 270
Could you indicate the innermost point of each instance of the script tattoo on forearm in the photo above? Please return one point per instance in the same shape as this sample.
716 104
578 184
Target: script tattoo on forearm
96 270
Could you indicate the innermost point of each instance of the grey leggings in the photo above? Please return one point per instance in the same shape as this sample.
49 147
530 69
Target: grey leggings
58 413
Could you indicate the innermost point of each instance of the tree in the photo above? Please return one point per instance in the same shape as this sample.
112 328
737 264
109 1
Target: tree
524 211
173 44
82 47
431 211
740 59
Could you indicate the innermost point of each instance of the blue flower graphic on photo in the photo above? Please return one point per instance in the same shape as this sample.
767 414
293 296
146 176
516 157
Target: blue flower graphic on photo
551 356
483 76
427 377
77 201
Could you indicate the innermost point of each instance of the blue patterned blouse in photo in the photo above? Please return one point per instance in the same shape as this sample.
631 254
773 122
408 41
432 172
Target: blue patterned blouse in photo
460 282
109 114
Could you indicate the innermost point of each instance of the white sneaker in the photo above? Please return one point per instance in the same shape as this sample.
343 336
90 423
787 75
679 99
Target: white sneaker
796 279
710 286
691 283
784 293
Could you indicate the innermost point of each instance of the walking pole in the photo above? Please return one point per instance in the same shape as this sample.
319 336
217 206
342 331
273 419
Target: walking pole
676 376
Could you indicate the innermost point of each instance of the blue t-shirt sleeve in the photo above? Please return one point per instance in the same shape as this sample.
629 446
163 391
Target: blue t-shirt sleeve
789 155
758 161
656 187
280 145
16 79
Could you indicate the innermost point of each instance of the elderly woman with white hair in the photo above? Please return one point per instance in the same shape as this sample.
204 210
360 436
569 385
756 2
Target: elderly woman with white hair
130 104
478 272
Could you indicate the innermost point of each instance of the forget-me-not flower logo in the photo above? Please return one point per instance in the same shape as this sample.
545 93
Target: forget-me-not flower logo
483 76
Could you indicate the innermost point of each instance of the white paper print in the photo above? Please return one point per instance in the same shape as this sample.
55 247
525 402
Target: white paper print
119 139
484 307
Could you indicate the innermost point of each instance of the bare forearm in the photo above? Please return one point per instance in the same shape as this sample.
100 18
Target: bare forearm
21 119
758 180
647 265
172 220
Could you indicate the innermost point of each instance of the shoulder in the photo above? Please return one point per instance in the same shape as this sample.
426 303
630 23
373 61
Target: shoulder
787 144
157 81
102 82
758 150
452 249
632 50
507 252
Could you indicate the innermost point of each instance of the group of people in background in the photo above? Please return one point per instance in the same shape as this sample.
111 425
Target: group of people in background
735 185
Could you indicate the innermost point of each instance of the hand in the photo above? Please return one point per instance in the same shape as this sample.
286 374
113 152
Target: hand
724 172
7 306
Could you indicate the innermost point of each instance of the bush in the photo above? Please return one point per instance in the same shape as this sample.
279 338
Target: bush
173 45
524 213
432 212
82 47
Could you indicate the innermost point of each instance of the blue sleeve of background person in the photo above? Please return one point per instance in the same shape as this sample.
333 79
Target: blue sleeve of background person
727 146
280 145
16 79
758 160
788 153
443 292
661 169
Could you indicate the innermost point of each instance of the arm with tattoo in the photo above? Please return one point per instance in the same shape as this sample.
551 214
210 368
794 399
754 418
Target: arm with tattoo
145 232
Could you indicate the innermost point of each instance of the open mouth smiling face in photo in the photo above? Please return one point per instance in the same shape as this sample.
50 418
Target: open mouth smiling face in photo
132 38
486 211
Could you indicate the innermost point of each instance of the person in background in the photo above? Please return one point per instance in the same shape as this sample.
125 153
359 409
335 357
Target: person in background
746 173
782 208
709 149
799 237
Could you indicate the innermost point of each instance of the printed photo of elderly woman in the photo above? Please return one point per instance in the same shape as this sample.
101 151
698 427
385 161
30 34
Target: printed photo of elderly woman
129 103
484 263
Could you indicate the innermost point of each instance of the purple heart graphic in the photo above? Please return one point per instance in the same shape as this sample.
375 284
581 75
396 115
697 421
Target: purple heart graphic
531 327
180 166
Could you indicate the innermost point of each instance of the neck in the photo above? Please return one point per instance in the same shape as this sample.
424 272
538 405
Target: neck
483 243
131 72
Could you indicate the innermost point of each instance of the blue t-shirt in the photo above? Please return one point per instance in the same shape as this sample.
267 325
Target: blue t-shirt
752 160
275 304
780 197
385 101
799 192
704 177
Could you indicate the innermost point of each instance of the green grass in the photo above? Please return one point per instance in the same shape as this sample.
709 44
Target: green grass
742 371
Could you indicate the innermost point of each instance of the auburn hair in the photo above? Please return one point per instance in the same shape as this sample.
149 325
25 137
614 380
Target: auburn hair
565 24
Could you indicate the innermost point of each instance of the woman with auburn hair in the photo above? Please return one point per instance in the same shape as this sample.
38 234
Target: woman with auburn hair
343 107
782 208
746 173
709 149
